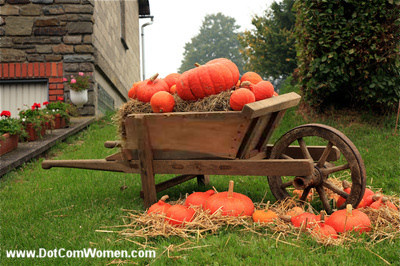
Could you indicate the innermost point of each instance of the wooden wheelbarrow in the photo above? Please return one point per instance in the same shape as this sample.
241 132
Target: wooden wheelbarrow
198 144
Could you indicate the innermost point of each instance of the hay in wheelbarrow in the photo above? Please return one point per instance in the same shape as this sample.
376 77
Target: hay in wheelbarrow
213 103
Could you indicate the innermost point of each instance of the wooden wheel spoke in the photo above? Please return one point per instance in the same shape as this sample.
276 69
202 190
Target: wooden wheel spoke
335 169
325 154
284 156
306 191
335 189
287 184
324 199
304 149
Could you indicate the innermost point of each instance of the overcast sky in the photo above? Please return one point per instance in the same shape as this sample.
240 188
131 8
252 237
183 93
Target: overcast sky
177 21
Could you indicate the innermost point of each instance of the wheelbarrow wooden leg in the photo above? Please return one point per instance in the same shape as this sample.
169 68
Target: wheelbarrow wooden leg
203 180
145 156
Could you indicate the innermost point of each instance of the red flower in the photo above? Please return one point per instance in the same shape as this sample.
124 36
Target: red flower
60 99
45 103
5 113
35 106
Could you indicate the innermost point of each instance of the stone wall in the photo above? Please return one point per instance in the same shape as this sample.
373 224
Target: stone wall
44 31
120 66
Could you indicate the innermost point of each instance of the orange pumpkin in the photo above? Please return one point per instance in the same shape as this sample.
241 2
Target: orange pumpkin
179 214
132 91
240 98
160 207
230 203
295 211
212 78
198 198
305 219
382 202
171 79
347 188
275 93
162 102
262 216
253 77
263 90
146 89
349 220
322 230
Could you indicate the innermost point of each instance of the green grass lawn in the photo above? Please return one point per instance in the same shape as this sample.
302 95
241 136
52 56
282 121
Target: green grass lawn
63 208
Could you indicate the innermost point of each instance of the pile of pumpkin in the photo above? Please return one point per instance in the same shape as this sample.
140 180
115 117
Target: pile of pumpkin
206 80
234 204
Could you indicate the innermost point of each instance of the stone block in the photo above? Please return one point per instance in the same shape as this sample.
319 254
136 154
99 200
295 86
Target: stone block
78 9
71 67
84 49
52 57
44 49
2 21
2 32
51 31
78 58
53 10
17 26
11 55
86 110
72 39
14 2
9 10
77 17
47 22
36 39
86 67
63 49
42 1
6 42
30 10
67 1
87 38
79 27
35 58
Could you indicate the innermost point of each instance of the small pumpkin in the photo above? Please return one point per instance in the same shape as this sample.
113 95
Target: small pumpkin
132 91
179 214
349 220
347 188
263 90
323 230
171 79
252 77
146 89
275 94
159 207
240 98
264 216
382 202
172 90
198 198
305 219
230 203
162 102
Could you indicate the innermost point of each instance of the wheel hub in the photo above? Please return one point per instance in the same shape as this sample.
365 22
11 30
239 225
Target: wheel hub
315 179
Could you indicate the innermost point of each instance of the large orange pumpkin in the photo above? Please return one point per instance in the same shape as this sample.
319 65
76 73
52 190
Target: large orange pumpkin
230 203
212 78
160 207
240 98
162 102
146 89
263 90
179 214
348 220
198 198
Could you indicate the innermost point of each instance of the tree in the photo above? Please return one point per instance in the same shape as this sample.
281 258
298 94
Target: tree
217 38
270 49
348 54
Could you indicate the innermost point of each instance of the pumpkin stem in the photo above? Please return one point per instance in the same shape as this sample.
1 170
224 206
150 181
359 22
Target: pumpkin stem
267 206
230 190
286 218
153 78
349 210
245 83
323 214
376 197
346 184
384 199
164 198
197 64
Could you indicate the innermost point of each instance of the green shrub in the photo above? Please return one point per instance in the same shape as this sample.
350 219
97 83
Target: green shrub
349 53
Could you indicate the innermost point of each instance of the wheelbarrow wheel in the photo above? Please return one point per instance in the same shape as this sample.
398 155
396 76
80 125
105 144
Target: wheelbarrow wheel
350 161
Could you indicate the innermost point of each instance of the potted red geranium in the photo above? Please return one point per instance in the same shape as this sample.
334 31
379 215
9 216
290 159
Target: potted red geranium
34 121
59 110
10 131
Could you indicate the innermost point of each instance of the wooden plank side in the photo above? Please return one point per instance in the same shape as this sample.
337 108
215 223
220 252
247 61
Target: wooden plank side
270 105
273 123
300 167
214 135
96 164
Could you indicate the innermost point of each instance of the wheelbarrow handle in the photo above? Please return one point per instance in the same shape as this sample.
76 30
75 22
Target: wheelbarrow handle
112 144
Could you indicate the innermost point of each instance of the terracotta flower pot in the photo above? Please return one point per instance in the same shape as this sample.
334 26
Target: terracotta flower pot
32 135
59 122
9 143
